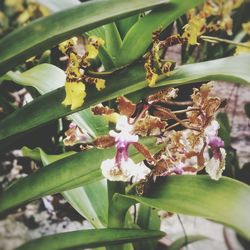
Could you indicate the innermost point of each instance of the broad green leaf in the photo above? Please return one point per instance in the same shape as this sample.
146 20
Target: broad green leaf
139 37
125 24
113 40
65 174
48 107
91 201
44 33
183 241
44 77
226 201
90 239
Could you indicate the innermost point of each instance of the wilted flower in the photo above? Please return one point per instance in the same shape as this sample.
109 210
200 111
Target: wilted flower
75 135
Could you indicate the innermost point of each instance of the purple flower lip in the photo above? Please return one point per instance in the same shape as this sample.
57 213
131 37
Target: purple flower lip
216 143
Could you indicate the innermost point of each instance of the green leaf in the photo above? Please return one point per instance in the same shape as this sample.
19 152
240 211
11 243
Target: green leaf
44 77
44 33
147 218
226 201
48 107
247 109
65 174
181 242
90 239
225 128
139 37
125 24
113 39
91 201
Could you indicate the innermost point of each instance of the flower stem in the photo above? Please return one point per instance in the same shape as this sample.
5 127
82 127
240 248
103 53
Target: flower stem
217 39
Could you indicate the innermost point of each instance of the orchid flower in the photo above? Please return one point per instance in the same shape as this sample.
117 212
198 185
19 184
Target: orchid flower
121 167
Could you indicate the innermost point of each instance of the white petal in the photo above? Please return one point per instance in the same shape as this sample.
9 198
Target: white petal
111 172
212 129
215 167
123 125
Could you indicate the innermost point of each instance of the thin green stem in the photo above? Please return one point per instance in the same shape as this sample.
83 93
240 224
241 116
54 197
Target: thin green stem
217 39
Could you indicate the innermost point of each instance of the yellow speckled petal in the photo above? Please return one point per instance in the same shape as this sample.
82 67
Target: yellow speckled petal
68 99
93 52
100 84
75 94
153 80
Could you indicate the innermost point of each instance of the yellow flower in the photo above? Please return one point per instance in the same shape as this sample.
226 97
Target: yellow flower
193 29
246 27
92 47
113 118
75 94
92 51
96 40
242 50
100 84
210 8
64 46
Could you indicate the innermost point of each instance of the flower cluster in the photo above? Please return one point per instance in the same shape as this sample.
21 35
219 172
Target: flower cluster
121 167
200 21
75 87
188 136
155 62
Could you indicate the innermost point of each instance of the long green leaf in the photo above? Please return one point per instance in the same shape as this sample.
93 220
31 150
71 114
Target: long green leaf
90 201
90 239
226 201
113 39
48 107
125 24
65 174
47 32
139 37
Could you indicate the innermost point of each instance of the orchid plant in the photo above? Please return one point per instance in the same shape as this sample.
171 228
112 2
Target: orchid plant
128 136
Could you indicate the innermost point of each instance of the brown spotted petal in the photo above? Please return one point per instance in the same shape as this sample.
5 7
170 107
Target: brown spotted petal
104 141
149 125
163 96
125 106
101 110
144 151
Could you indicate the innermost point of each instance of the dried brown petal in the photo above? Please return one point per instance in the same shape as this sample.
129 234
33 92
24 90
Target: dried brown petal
164 95
148 125
125 106
104 141
101 110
